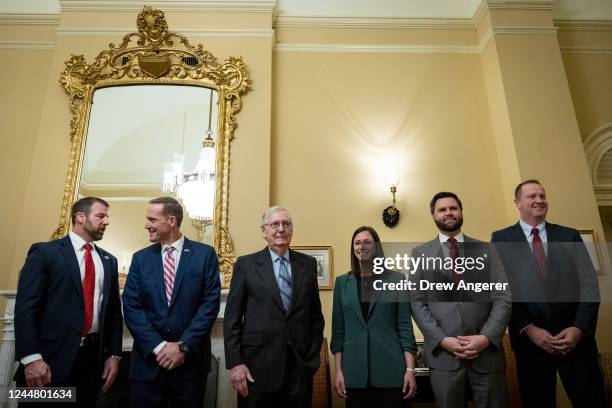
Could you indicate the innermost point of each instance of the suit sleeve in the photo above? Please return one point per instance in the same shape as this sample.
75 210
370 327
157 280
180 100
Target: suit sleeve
317 322
114 319
136 319
204 319
404 323
234 312
422 315
587 310
501 303
31 293
337 339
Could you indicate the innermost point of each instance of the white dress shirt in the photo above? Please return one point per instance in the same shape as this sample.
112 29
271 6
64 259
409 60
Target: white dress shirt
178 248
78 244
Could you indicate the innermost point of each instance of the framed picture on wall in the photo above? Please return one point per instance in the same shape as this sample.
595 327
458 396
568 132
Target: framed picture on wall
590 241
323 255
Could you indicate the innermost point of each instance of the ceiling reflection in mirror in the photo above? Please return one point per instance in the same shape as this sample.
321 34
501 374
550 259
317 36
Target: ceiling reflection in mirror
147 141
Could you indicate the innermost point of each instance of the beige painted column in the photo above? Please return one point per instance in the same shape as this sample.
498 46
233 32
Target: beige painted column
536 131
535 125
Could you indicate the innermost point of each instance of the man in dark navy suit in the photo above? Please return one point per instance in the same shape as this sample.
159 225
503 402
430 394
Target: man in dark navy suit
68 322
170 302
556 300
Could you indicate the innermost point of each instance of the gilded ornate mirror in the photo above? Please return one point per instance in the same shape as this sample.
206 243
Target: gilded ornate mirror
154 116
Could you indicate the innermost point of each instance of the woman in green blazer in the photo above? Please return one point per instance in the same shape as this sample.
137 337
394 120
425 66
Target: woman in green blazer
372 338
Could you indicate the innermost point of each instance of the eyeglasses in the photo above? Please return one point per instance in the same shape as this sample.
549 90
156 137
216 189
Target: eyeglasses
277 224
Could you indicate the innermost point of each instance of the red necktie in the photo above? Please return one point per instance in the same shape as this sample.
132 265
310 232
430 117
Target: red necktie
89 284
453 252
538 250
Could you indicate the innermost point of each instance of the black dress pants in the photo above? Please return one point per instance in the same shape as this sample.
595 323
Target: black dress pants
296 391
578 370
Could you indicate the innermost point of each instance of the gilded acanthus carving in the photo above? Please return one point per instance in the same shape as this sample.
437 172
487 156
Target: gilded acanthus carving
155 55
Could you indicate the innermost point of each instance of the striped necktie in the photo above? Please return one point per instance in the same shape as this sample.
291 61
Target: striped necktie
169 271
284 282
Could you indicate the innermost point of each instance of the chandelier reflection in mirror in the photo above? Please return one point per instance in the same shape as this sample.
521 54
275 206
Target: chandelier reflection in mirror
195 187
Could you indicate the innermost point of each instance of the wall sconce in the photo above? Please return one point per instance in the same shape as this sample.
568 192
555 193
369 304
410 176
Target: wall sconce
391 214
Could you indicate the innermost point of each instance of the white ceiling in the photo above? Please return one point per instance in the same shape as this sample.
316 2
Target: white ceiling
562 9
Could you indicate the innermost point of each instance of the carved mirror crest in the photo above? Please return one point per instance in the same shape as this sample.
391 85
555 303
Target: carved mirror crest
154 98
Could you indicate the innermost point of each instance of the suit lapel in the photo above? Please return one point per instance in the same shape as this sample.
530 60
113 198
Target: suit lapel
72 263
106 265
297 277
519 236
551 236
183 268
351 292
265 271
158 272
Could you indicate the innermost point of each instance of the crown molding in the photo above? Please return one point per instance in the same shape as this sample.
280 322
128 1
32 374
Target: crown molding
583 25
374 48
229 6
27 45
29 19
519 5
119 33
586 50
525 30
373 22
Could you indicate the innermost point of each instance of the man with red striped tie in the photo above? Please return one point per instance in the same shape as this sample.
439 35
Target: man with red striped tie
170 303
68 322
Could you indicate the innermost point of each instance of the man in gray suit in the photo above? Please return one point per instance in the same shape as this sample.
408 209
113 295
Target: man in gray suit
463 329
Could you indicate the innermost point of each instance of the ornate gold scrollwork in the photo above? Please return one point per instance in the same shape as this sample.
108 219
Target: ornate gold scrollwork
157 56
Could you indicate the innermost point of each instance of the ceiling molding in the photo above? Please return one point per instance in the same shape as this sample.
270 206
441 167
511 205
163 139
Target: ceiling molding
375 48
373 22
586 51
525 30
480 13
29 19
583 25
27 45
119 33
180 5
520 5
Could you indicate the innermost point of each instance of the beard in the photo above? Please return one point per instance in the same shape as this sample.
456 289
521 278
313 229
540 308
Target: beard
450 227
95 234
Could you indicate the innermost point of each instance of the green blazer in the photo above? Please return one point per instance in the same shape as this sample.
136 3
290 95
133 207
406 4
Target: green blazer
372 351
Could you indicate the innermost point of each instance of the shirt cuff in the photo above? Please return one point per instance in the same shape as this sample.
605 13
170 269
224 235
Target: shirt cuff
159 347
524 329
32 357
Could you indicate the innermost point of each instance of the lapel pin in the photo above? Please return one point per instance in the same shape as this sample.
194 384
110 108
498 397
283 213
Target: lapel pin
106 257
185 250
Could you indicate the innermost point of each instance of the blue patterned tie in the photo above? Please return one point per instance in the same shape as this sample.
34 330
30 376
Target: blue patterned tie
284 282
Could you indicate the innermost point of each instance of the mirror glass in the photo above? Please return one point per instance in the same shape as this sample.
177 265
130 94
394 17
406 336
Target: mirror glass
146 141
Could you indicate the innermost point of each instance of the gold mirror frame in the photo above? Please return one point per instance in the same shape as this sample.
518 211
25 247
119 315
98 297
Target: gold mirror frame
158 57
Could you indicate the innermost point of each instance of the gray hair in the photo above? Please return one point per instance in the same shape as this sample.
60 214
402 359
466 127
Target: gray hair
273 210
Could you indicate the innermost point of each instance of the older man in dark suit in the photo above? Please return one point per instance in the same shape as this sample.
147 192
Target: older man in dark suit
273 325
170 301
556 300
462 330
68 322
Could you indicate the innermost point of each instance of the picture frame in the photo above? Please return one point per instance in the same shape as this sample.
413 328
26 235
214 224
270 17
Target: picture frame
589 237
325 271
